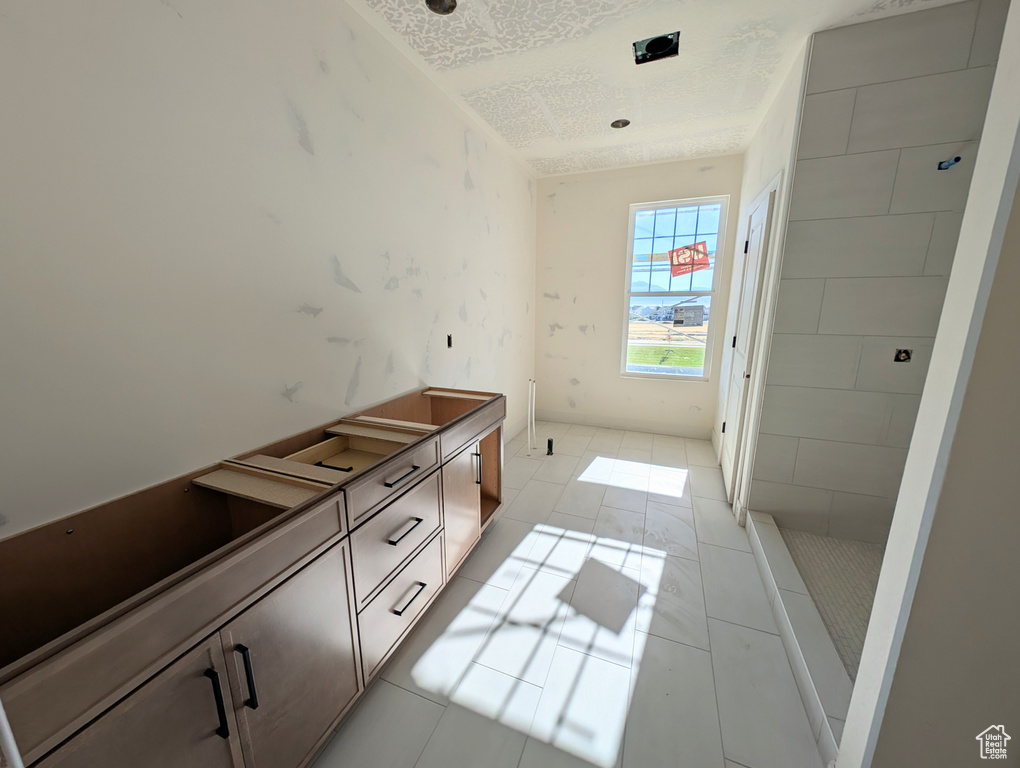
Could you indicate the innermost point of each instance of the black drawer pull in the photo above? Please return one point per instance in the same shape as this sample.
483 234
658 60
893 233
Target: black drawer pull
421 588
397 480
252 701
224 730
332 466
416 521
479 480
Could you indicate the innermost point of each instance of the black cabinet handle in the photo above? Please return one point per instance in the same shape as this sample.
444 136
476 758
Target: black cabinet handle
479 480
333 466
397 480
400 611
249 675
416 522
224 730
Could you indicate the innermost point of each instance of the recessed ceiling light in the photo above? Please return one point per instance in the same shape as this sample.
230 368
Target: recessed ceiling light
622 123
442 7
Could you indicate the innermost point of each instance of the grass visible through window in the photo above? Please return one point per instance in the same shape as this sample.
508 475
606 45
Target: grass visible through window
688 357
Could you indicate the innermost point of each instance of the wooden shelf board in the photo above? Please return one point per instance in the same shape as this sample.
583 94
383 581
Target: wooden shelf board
275 493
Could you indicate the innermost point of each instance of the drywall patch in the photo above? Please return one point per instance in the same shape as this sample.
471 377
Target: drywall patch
352 387
570 402
392 284
340 277
3 520
462 312
574 382
469 184
300 126
583 329
308 309
553 327
289 392
172 7
416 292
552 296
338 340
388 371
482 293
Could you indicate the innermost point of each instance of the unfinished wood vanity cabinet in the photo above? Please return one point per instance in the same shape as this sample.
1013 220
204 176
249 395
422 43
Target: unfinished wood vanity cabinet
230 617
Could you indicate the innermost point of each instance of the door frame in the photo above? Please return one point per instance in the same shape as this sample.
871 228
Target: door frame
737 431
772 263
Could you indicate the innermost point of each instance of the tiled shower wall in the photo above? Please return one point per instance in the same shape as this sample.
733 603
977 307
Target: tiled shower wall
871 237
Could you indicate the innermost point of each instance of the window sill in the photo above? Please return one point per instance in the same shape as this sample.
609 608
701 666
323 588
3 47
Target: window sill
664 377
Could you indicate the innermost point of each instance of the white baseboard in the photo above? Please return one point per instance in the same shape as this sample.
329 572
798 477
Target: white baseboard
618 422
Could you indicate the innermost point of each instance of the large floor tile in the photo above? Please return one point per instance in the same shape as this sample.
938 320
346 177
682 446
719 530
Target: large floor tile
518 471
707 482
551 429
669 485
561 544
538 754
669 456
501 553
558 468
715 524
465 739
619 537
733 588
670 529
640 440
583 708
633 460
433 660
673 718
595 467
603 616
535 502
584 430
524 635
762 717
701 452
581 498
606 440
572 445
673 608
388 729
620 496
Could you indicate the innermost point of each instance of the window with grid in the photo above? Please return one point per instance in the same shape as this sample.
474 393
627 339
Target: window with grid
672 277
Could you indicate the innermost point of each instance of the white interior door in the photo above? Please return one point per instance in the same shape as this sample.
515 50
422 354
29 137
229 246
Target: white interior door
743 342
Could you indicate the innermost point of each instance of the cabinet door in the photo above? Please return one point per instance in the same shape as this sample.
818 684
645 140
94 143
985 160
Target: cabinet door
292 663
461 505
182 718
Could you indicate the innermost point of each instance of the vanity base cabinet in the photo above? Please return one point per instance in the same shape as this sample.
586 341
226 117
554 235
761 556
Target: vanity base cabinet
292 663
462 505
182 717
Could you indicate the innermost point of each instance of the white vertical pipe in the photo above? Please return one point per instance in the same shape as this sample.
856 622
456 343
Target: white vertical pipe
7 745
529 417
534 407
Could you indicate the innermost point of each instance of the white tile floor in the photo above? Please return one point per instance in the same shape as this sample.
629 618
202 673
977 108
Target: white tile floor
612 616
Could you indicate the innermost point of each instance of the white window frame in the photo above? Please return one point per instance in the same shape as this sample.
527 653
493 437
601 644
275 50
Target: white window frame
716 320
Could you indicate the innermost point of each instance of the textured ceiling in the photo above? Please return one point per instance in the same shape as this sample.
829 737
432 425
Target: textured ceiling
550 75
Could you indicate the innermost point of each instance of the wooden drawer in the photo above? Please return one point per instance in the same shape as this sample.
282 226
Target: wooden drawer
374 488
394 610
60 695
456 437
379 546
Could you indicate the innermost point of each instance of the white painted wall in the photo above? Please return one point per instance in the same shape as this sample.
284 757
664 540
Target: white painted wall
939 662
583 223
221 225
870 241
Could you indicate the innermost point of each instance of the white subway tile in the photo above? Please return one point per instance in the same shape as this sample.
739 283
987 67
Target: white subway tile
882 246
840 187
921 186
914 44
774 458
991 20
798 306
792 506
864 518
879 372
872 470
826 414
936 109
942 249
825 124
882 306
814 361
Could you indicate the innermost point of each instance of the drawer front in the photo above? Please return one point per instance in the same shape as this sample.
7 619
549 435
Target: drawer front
379 546
456 437
394 610
58 696
368 493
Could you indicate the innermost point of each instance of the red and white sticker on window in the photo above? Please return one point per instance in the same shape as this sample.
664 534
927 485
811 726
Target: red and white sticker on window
689 259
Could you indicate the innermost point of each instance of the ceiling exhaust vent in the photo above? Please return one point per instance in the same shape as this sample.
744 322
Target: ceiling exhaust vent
659 47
